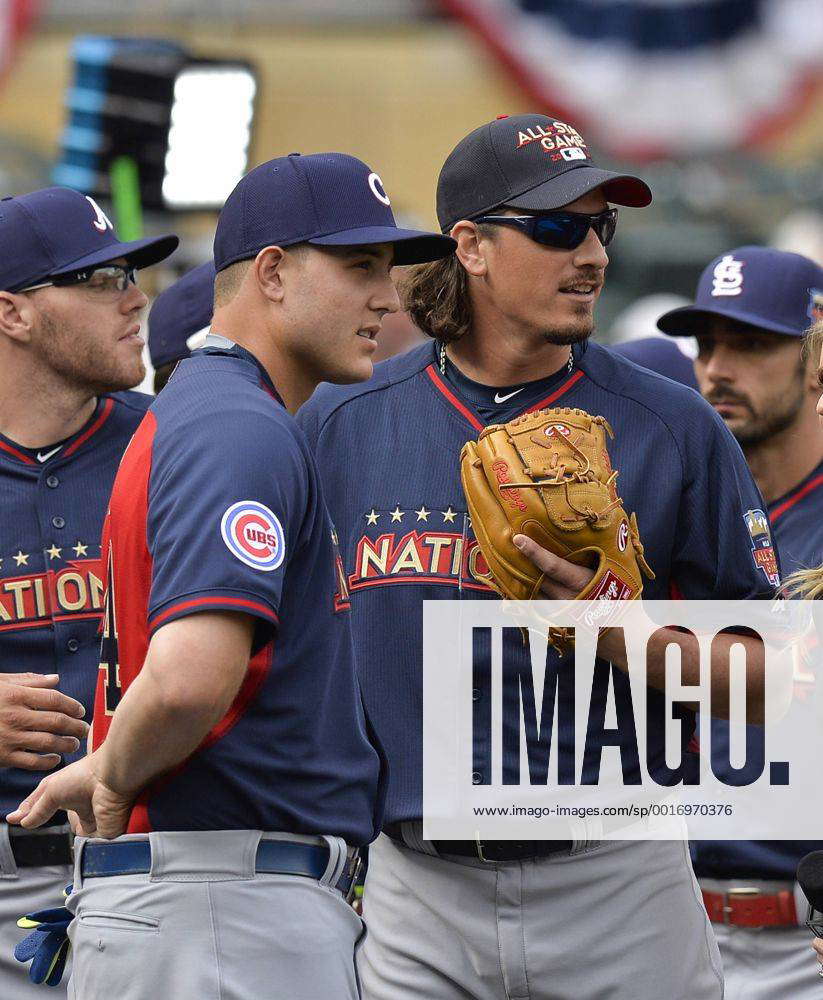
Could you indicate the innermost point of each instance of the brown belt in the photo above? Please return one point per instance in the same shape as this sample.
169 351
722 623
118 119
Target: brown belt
746 907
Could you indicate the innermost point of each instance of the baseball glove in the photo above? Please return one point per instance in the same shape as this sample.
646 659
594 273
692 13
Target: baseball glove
547 475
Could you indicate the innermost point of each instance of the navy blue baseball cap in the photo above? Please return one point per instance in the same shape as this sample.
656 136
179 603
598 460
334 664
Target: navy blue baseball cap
180 311
661 356
773 290
58 230
326 199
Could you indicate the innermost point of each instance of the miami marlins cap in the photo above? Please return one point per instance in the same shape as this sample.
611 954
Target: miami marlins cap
179 313
531 162
58 230
771 289
326 199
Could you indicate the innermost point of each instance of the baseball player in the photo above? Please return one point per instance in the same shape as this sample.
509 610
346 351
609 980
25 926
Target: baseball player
752 307
510 319
227 702
179 320
70 347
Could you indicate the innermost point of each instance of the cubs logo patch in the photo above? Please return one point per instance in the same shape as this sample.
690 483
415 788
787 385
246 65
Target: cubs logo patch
253 534
763 554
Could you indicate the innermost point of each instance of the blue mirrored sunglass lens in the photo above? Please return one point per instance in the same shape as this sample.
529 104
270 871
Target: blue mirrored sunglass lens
561 231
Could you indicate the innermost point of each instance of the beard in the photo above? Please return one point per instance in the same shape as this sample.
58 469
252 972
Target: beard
777 415
79 358
571 334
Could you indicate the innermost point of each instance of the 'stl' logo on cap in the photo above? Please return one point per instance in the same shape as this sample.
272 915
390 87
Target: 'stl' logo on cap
728 276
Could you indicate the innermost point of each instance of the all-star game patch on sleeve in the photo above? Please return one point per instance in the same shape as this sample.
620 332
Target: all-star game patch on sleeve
723 543
219 541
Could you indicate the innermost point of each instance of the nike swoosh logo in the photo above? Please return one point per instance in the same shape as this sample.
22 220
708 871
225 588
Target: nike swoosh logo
502 399
44 458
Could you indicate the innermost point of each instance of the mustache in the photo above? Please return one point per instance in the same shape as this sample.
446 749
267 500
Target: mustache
719 396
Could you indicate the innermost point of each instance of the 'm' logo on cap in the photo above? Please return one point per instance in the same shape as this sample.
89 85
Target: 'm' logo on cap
728 276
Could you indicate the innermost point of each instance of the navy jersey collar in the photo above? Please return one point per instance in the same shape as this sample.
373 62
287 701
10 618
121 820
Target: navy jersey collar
63 449
217 344
557 386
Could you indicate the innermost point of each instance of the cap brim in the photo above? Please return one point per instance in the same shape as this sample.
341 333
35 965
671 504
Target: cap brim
410 245
683 322
139 253
562 189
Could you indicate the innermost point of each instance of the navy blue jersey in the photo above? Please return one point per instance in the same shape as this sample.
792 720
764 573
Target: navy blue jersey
389 450
217 506
797 524
53 502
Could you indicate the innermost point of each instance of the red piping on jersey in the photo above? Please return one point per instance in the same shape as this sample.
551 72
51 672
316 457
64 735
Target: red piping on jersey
675 593
781 509
105 413
16 453
47 622
557 393
441 385
200 602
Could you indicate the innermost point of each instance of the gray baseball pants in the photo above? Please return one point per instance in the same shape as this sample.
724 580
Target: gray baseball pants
202 925
769 963
23 890
623 920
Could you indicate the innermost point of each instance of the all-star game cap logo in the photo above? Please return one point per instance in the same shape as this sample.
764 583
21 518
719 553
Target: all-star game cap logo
254 535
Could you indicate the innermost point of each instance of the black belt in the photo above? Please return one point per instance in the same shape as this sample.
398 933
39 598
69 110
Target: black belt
502 850
488 850
274 857
41 850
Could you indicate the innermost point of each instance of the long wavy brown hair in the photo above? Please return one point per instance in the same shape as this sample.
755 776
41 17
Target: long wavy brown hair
808 583
436 296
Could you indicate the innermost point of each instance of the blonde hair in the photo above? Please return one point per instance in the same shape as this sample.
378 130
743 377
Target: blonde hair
807 584
228 281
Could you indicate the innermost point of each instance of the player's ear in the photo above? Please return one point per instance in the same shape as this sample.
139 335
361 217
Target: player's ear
470 249
16 317
267 270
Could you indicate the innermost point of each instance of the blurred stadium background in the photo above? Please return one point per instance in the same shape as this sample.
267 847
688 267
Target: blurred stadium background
717 103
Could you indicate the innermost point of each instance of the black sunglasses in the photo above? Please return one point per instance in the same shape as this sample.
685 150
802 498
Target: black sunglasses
111 277
561 230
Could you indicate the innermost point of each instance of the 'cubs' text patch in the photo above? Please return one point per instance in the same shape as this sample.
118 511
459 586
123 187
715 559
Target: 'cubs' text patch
252 533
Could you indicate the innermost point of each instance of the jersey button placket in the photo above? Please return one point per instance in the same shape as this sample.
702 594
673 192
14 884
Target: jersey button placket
58 521
73 645
52 482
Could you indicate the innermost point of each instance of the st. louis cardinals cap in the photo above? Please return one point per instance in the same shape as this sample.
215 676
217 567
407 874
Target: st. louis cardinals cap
531 162
771 289
179 313
327 199
58 230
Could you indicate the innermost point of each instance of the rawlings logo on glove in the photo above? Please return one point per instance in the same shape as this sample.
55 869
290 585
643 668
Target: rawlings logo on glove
547 475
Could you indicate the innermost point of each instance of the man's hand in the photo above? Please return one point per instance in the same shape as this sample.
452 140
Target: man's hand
564 580
100 811
37 722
